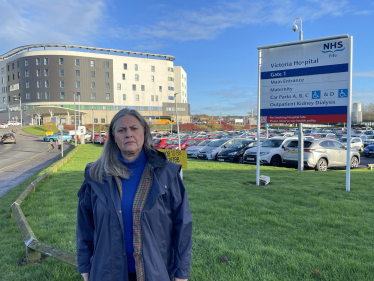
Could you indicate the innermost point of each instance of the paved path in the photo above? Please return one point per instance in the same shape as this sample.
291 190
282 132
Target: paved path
24 159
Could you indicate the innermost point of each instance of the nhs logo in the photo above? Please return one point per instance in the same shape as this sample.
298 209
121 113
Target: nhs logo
333 47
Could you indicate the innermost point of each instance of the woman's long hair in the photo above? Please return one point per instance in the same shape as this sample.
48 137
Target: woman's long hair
108 163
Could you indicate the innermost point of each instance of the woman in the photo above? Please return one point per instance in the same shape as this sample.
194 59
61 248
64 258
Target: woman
134 220
59 142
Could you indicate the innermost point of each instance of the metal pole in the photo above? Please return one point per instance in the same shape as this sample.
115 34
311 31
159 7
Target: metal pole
258 120
75 122
8 112
348 165
20 109
176 114
301 133
93 125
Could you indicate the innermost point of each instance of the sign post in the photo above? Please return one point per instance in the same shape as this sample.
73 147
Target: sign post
306 81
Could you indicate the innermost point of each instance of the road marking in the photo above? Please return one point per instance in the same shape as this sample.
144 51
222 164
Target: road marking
15 164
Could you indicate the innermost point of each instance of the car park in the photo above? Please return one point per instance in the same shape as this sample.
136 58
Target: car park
321 154
65 137
271 152
210 152
193 150
369 150
186 143
8 138
235 152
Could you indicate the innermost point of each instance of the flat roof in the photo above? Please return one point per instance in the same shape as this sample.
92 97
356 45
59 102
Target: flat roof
28 47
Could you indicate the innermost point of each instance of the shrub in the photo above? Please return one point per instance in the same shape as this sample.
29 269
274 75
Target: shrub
188 127
228 127
49 126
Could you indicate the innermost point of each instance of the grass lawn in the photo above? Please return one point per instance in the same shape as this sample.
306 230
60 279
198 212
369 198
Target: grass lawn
37 130
303 226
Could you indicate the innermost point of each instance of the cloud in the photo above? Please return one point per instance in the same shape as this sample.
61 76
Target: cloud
364 13
209 22
364 74
60 21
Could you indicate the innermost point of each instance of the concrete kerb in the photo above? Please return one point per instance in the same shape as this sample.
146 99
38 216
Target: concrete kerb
35 248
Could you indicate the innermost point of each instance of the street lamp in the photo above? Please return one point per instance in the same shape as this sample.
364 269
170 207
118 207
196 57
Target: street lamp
20 108
176 114
75 122
300 159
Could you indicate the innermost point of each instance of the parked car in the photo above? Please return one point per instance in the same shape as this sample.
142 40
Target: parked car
356 143
211 151
235 152
100 139
369 140
369 150
271 151
13 123
193 150
186 143
65 137
321 154
8 138
3 125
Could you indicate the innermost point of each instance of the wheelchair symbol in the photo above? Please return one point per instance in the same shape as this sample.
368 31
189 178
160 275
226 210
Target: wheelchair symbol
343 93
316 94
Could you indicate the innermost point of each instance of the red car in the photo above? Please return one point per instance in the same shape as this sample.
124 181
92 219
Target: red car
185 143
162 143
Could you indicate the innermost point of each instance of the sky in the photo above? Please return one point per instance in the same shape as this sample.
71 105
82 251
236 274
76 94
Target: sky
214 41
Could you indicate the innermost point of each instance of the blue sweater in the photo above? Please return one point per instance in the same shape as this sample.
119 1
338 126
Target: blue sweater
129 188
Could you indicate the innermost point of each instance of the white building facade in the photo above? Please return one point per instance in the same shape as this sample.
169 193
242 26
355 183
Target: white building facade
103 80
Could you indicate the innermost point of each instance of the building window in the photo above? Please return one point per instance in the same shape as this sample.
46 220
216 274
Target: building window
152 98
107 64
92 74
27 96
46 84
107 96
92 63
46 61
170 69
77 73
46 72
95 120
38 84
152 68
171 88
17 64
93 96
136 77
92 85
26 62
170 98
19 75
170 79
143 88
13 76
107 87
27 84
76 61
133 87
136 67
124 97
39 94
125 66
160 88
103 120
62 95
13 65
123 76
38 73
62 73
118 86
47 96
37 61
152 78
62 84
156 97
26 73
106 75
136 97
61 62
78 94
77 84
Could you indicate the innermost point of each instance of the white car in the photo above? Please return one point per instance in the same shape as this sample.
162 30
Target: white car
271 151
211 151
13 123
193 150
356 143
3 125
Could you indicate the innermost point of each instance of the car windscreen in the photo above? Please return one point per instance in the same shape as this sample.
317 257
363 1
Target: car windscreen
217 143
240 144
296 144
204 143
157 141
272 143
343 139
370 137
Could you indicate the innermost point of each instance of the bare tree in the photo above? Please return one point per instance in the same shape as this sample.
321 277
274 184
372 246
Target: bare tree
368 112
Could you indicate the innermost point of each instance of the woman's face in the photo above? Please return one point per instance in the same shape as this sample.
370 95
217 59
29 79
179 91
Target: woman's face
129 136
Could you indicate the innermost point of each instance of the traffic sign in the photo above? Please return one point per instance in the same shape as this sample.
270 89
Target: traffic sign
16 117
306 82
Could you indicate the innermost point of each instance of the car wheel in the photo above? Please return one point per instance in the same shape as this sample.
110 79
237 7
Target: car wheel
354 162
276 161
51 140
322 165
240 159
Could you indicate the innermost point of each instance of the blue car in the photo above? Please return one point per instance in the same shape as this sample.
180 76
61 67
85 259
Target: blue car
369 150
53 138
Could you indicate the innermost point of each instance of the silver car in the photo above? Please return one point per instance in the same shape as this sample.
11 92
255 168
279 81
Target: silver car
193 150
356 143
321 154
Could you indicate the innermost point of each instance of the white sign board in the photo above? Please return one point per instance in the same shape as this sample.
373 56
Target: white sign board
60 127
81 130
239 121
306 83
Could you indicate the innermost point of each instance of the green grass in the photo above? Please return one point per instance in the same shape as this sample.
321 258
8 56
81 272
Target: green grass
283 231
38 130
